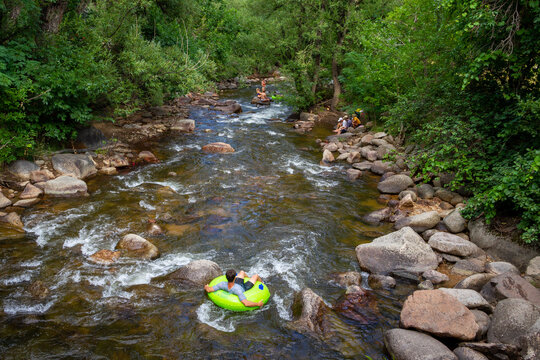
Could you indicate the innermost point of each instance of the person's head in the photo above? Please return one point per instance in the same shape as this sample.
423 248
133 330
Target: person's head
230 275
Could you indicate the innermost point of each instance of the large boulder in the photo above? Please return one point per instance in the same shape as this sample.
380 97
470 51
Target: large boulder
510 285
22 169
435 312
412 345
499 247
511 319
78 165
453 244
65 186
470 298
455 222
138 247
395 184
218 147
420 222
184 125
402 250
195 274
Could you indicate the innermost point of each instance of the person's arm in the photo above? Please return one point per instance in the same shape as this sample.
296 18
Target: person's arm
208 288
248 303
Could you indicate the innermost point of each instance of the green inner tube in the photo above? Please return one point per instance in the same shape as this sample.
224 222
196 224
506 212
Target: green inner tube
226 300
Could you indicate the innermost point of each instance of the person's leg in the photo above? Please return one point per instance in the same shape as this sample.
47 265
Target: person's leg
242 274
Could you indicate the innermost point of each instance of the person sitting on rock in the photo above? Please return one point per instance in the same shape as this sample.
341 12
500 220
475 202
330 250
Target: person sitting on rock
342 126
359 116
235 285
262 95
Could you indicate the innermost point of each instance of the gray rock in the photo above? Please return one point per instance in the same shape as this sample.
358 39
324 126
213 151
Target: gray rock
379 142
395 184
381 282
464 353
455 222
65 186
26 203
78 165
41 176
501 267
510 285
406 202
483 321
450 258
401 250
30 192
22 169
366 140
408 192
452 244
332 147
307 310
474 282
353 174
377 216
511 319
494 351
426 285
412 345
420 222
425 191
4 201
327 156
435 277
380 168
470 298
347 278
380 135
449 196
136 246
195 274
468 267
533 269
426 235
185 125
530 343
363 166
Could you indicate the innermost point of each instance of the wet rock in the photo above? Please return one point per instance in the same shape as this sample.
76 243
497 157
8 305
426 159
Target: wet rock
455 222
12 219
511 319
38 290
434 276
218 147
105 257
308 312
452 244
468 267
353 174
30 192
470 298
395 184
119 161
494 350
510 286
426 285
347 278
420 222
154 229
464 353
380 168
533 269
229 109
22 169
483 321
4 201
65 186
474 282
406 202
327 156
357 305
401 250
185 126
412 345
108 171
78 165
195 274
41 176
501 267
377 216
425 191
136 246
381 282
148 157
438 313
26 203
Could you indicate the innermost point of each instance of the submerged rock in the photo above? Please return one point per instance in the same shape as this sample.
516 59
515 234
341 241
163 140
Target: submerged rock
218 147
136 246
105 257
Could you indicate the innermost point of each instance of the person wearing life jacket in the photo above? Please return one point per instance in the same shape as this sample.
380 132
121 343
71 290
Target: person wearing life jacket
358 117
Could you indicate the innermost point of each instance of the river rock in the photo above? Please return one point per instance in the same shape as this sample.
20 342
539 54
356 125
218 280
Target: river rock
377 216
470 298
41 175
455 222
357 305
38 290
400 250
22 169
511 319
533 269
30 192
327 157
218 147
483 321
474 282
438 313
468 267
343 156
426 285
412 345
305 116
366 140
353 174
104 257
420 222
494 351
78 165
184 125
196 274
347 278
406 202
332 147
426 235
510 286
12 219
26 203
464 353
380 135
119 161
449 196
501 267
453 244
408 192
108 170
376 281
308 309
4 201
136 246
426 191
154 229
380 168
434 276
395 184
65 186
229 109
148 157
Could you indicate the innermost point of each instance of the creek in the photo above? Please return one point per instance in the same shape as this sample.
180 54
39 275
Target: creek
269 208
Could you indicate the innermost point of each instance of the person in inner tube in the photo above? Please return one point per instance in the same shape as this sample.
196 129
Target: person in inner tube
235 285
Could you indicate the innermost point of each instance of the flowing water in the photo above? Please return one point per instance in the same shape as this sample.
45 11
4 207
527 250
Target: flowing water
269 208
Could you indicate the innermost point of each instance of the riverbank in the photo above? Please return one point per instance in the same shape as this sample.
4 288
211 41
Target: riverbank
475 296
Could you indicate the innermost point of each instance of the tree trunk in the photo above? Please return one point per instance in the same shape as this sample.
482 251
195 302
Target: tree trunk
53 15
337 85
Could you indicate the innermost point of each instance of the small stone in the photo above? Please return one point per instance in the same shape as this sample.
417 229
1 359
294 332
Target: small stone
381 282
467 267
425 191
395 184
4 201
435 277
420 222
41 175
108 171
332 147
533 269
353 174
172 173
105 257
470 298
406 202
425 285
464 353
474 282
218 147
483 321
137 246
147 156
408 192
